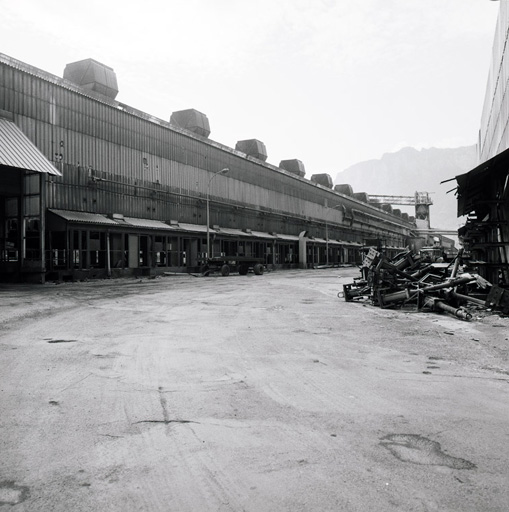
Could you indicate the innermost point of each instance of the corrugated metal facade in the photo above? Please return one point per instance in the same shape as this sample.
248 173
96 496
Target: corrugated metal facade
494 131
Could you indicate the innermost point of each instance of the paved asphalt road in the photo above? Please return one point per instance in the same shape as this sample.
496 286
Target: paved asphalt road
247 393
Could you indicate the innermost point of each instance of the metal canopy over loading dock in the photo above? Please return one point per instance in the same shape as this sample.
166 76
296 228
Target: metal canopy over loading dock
17 151
483 195
82 244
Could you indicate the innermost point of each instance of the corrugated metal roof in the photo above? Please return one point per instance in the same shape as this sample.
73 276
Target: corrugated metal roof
331 241
262 234
194 228
96 218
473 185
233 232
148 224
287 237
84 217
16 150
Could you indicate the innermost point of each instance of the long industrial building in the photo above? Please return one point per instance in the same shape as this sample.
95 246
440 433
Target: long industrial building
91 187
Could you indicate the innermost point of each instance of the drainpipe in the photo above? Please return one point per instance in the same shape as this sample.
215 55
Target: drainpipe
108 259
42 227
302 249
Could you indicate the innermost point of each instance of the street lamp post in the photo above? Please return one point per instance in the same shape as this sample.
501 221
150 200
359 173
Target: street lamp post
327 231
222 171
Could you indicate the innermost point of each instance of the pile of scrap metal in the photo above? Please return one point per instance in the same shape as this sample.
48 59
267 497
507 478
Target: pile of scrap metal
408 280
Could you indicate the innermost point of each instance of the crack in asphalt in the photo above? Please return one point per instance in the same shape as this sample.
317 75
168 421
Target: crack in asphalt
166 422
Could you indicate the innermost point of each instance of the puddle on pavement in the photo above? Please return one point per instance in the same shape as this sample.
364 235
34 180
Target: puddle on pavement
11 494
420 450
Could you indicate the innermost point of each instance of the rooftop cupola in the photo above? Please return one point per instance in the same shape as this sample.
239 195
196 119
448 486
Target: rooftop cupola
93 76
361 196
252 147
192 120
294 166
345 189
322 179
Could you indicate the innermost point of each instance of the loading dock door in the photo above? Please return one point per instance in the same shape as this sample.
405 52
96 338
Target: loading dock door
190 252
134 253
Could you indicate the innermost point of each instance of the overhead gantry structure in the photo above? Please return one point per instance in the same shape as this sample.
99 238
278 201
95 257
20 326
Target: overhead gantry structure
421 200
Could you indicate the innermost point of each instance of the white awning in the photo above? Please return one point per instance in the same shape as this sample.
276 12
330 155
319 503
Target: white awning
84 217
232 232
17 150
193 228
290 238
262 234
148 224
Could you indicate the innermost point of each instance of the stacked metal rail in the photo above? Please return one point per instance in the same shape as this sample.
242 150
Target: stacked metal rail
408 280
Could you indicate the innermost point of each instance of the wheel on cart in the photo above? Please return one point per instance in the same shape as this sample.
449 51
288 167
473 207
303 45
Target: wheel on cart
258 269
205 269
225 270
243 270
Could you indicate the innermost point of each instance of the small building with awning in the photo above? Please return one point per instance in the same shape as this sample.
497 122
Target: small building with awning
23 171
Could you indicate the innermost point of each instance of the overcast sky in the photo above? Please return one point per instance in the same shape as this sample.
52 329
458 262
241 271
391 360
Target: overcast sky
330 82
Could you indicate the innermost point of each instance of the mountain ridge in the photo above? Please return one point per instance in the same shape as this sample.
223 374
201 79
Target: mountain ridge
409 170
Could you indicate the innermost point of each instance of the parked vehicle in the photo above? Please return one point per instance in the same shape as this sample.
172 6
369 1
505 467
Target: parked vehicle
227 264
